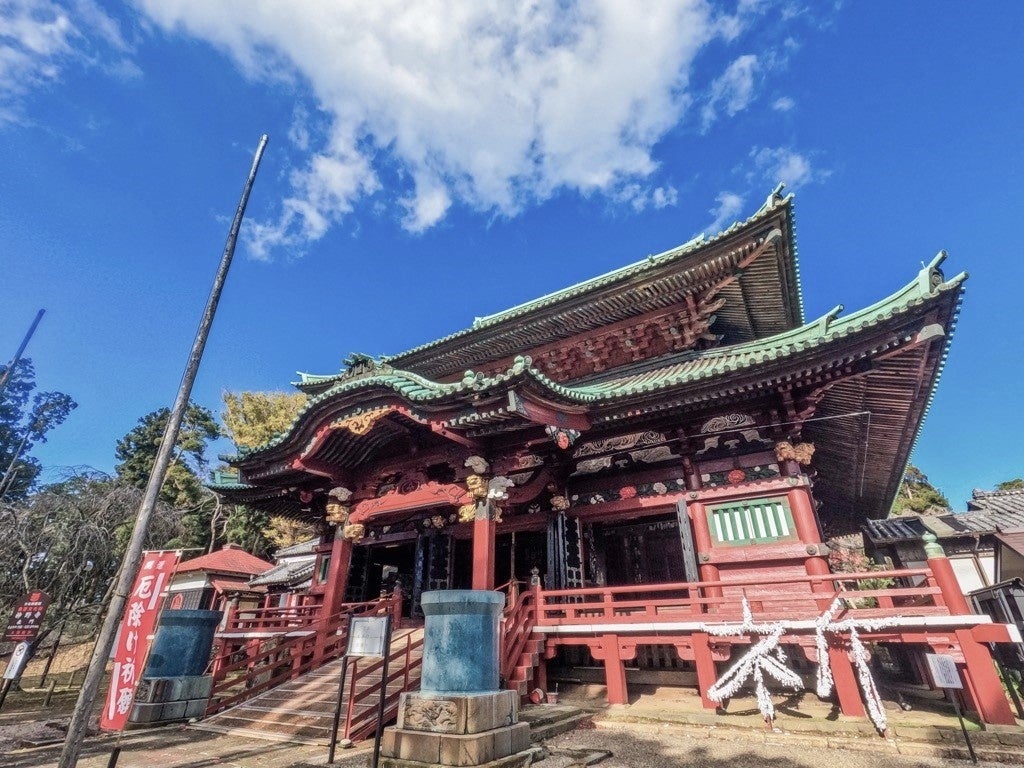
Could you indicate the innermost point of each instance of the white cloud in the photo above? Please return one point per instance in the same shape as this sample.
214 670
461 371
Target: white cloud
492 105
725 213
731 92
39 37
786 165
783 104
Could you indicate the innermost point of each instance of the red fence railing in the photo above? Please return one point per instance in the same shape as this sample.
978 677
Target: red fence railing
245 668
913 592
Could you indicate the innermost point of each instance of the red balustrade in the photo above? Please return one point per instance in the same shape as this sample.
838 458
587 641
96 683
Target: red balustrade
247 666
914 592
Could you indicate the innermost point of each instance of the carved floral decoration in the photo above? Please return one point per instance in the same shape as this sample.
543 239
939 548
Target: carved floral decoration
800 453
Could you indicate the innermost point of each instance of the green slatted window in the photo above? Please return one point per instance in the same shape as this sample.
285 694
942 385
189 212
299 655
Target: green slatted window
751 521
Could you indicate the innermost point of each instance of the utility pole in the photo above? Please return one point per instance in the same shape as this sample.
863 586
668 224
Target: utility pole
6 375
133 554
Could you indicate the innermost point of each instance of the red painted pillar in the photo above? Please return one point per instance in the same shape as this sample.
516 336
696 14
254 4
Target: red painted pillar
984 685
337 575
707 675
801 504
483 548
607 651
702 540
847 688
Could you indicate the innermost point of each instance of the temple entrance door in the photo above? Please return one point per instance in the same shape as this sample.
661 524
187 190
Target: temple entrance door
390 565
649 553
663 565
517 554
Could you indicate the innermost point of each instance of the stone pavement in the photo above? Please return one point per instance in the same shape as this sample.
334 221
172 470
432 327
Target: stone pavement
614 744
179 747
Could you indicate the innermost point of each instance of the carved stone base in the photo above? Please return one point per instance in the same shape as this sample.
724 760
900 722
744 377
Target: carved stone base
518 760
477 729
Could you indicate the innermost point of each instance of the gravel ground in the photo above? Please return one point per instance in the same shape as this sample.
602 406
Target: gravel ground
663 746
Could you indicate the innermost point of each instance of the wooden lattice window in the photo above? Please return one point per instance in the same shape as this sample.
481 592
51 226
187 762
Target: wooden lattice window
751 521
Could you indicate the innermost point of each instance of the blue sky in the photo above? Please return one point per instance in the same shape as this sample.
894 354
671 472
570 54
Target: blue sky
432 163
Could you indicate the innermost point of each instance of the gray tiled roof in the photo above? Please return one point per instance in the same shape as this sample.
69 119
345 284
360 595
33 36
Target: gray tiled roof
286 574
1005 502
946 526
302 548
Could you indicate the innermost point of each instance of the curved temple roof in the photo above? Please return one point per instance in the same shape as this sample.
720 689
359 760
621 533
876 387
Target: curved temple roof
686 372
763 299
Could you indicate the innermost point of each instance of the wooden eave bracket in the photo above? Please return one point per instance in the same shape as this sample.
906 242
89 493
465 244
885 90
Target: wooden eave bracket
546 414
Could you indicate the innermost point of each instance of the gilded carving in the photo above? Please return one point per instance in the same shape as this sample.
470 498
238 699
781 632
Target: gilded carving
800 453
361 423
436 715
354 532
477 486
337 513
467 513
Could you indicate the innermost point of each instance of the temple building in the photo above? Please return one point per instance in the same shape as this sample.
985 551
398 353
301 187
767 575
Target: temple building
641 460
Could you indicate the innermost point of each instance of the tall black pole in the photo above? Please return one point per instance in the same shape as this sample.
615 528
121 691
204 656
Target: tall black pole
6 375
133 554
383 692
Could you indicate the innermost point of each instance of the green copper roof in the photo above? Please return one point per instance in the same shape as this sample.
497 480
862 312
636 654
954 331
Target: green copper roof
622 275
685 369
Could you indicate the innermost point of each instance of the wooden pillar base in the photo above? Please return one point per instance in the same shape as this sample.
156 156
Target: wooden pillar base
847 689
983 684
607 650
707 675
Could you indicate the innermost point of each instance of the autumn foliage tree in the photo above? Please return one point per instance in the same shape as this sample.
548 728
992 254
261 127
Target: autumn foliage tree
252 419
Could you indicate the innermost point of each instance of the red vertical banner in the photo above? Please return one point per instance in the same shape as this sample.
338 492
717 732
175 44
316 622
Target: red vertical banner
137 627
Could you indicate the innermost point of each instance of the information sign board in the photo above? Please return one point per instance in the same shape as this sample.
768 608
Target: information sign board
16 664
366 636
944 671
27 618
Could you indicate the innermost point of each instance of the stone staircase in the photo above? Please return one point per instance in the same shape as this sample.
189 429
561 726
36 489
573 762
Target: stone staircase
302 710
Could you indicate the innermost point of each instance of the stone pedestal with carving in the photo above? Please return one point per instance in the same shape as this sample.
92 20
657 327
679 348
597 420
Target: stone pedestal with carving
479 729
459 718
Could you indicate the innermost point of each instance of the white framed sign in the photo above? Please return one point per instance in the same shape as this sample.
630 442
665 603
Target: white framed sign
367 636
16 664
944 671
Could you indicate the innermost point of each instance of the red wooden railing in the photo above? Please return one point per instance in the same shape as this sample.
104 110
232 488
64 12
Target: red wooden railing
271 619
795 597
517 624
365 686
245 668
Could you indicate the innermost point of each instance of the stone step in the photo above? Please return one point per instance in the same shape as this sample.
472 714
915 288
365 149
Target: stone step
548 720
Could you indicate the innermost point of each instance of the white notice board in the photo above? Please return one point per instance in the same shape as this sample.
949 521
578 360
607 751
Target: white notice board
366 636
944 671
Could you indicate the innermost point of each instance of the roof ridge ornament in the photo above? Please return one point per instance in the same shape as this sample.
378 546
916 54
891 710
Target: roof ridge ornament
358 364
825 320
931 279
